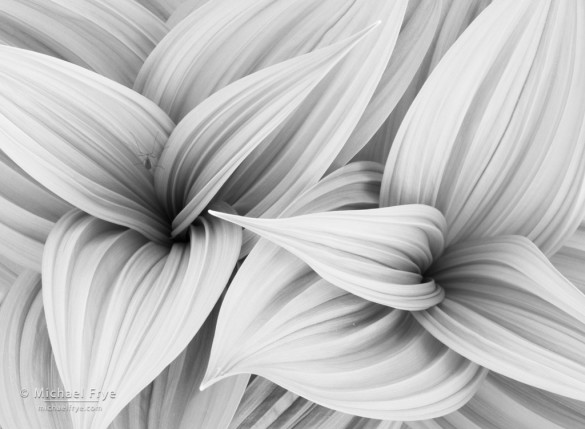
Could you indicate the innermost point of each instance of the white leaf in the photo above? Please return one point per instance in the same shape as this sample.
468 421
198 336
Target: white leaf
502 403
110 37
494 139
28 211
281 321
121 308
266 405
377 254
210 143
508 309
78 133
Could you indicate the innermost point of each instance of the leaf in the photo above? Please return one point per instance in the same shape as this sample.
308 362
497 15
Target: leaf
508 309
77 134
161 8
183 10
173 399
199 52
265 33
354 186
266 405
297 154
378 254
493 140
110 37
26 361
8 275
570 259
28 211
281 321
121 308
502 403
414 41
211 142
455 16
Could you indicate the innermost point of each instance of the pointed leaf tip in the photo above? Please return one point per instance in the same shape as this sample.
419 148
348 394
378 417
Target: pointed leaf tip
203 152
378 254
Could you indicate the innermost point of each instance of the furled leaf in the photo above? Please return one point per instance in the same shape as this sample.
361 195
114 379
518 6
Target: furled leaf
281 321
508 309
377 254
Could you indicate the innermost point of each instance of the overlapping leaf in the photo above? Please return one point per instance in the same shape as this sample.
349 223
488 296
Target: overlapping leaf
280 320
110 37
508 309
494 139
217 136
27 366
378 254
8 274
174 400
455 17
29 371
184 9
297 154
570 259
76 133
265 33
161 8
199 52
28 211
354 186
502 403
120 308
266 405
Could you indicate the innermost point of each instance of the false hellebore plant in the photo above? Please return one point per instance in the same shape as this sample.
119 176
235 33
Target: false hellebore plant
444 289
